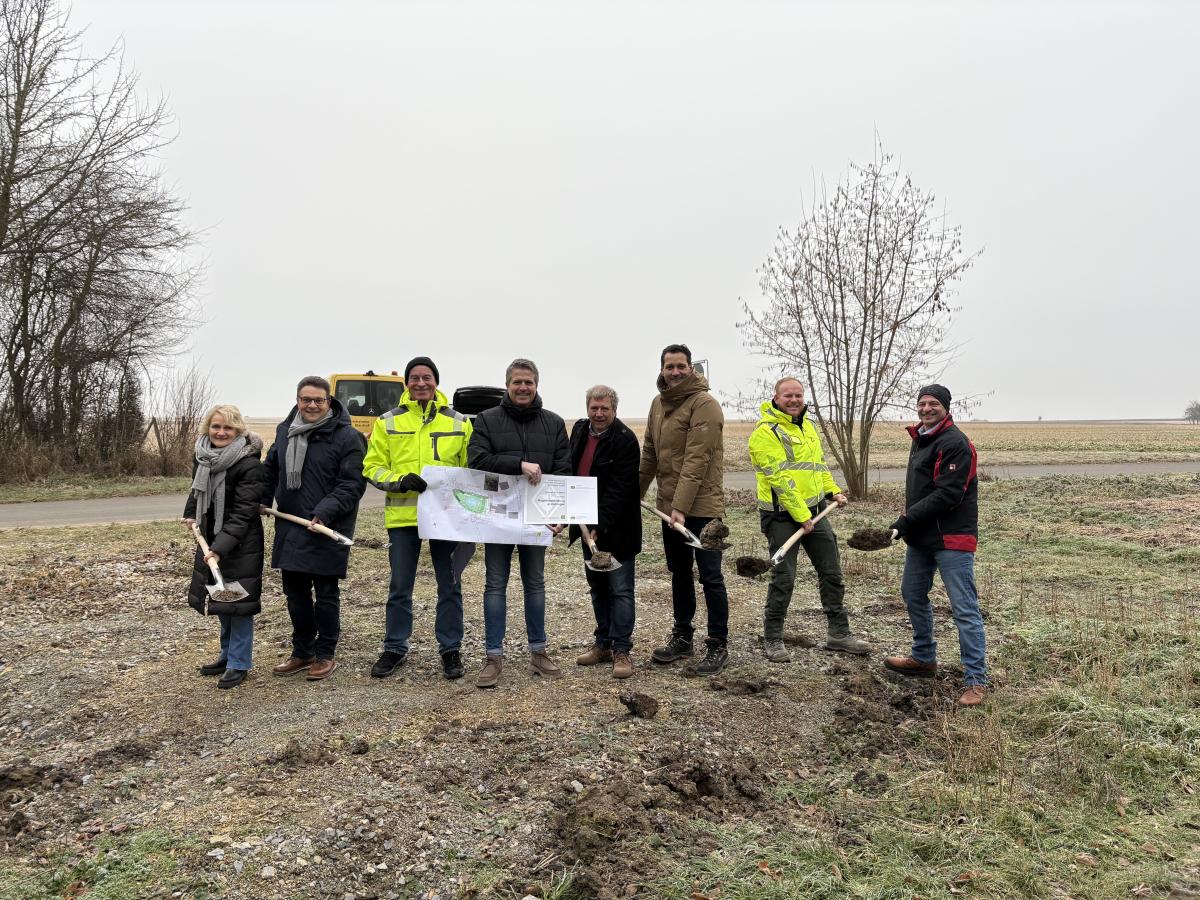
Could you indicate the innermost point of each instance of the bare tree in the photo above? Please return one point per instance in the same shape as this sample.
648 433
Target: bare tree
178 402
95 283
857 302
1192 413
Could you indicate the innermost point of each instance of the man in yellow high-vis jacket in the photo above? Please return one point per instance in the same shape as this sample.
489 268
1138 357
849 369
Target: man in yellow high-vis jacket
422 431
794 484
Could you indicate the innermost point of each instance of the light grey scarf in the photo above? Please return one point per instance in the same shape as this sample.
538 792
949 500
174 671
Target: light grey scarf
297 446
208 486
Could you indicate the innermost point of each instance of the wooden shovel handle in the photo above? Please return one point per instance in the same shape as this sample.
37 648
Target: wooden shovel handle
307 523
682 529
204 550
587 539
790 542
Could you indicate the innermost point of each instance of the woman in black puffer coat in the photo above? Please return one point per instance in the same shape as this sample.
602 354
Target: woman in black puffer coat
227 484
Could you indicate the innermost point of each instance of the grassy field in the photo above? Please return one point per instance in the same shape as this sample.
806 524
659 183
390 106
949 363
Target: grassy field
127 775
998 443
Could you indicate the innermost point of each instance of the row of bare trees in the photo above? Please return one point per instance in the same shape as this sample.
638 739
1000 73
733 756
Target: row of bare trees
96 285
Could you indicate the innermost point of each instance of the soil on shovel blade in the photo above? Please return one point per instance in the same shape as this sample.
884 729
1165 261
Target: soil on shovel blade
752 566
870 539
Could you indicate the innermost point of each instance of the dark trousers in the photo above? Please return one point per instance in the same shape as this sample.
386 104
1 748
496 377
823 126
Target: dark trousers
680 559
314 603
403 552
612 602
821 547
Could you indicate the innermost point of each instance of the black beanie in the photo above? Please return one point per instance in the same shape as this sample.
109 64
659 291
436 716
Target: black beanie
937 392
426 361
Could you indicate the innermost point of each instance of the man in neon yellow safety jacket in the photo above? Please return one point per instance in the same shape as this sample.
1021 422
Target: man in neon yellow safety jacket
794 484
422 431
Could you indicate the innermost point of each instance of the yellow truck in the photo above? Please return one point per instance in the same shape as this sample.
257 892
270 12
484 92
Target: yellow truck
367 396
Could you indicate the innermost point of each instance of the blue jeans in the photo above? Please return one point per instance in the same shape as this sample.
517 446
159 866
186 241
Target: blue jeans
237 641
957 568
612 602
402 555
497 562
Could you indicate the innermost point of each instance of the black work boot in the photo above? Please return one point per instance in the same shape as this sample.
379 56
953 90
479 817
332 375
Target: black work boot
389 661
213 668
676 647
714 660
452 666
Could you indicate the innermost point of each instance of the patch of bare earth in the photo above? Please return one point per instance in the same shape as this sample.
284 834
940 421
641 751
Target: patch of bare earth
413 785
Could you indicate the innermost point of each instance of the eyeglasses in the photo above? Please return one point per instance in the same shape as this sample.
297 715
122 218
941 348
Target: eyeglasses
312 401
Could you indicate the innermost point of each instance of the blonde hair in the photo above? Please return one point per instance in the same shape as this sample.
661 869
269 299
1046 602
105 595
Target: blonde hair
784 380
227 411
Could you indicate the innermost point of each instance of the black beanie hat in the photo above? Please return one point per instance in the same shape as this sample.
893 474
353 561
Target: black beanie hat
426 361
936 391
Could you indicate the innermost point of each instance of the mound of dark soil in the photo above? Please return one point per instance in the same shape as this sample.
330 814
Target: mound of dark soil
752 566
641 705
712 536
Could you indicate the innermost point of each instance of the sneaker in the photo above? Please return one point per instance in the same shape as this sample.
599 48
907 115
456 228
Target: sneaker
775 651
232 678
848 643
543 665
622 665
714 660
594 656
452 666
906 665
489 675
676 647
973 695
213 668
387 663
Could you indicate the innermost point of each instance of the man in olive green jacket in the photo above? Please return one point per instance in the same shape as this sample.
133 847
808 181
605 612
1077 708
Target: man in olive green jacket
683 451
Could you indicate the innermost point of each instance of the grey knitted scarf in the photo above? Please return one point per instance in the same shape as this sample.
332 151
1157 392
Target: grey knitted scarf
297 447
208 486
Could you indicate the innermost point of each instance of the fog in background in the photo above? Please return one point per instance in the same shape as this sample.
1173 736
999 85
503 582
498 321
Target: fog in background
585 183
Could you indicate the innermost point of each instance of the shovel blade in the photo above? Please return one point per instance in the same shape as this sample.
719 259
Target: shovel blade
229 592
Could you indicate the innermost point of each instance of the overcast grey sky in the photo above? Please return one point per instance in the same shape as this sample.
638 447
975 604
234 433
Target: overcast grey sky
584 183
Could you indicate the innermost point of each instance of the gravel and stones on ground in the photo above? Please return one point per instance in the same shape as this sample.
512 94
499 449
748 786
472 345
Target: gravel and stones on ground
413 785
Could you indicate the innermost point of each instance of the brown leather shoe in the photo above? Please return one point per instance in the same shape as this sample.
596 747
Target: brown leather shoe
322 668
622 665
293 664
594 656
906 665
973 695
541 664
489 675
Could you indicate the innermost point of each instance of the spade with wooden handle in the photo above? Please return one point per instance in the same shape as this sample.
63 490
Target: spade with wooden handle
601 561
690 538
317 527
223 591
790 542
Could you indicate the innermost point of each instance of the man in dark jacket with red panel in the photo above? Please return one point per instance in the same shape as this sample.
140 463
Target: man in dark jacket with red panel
604 448
941 527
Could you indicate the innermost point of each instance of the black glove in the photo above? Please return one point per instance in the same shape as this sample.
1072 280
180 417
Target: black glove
900 526
413 482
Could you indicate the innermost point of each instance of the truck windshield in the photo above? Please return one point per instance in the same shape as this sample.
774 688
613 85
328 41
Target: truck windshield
363 397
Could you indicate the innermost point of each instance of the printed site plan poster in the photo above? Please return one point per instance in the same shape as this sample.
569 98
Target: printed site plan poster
476 507
559 499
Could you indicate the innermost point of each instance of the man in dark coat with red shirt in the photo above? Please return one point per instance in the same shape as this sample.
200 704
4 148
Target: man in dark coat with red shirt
604 448
941 527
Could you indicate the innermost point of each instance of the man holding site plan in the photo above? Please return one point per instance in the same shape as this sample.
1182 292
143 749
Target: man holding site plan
518 437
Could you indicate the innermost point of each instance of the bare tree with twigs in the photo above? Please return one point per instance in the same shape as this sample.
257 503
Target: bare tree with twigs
95 282
857 303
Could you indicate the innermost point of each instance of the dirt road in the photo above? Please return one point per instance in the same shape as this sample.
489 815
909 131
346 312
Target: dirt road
169 506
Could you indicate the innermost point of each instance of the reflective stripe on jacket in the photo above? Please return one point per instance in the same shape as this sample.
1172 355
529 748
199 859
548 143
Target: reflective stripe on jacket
404 441
789 464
